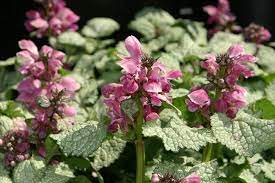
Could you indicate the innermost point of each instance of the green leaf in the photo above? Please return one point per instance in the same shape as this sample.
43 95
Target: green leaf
29 171
82 139
100 27
130 108
78 163
196 30
11 109
108 152
5 179
9 78
170 61
6 124
177 170
71 39
207 171
248 176
245 134
270 92
80 179
84 67
266 57
91 45
221 41
188 49
57 174
4 174
253 96
35 171
152 22
264 109
269 169
88 94
180 92
175 134
51 149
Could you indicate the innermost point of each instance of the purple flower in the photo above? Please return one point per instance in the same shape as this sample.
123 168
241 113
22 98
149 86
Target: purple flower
43 90
155 178
256 33
210 64
193 178
197 99
231 101
36 23
167 177
221 18
114 95
221 14
223 73
15 143
53 19
140 75
237 66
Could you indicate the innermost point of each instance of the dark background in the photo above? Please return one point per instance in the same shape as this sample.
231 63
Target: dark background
12 15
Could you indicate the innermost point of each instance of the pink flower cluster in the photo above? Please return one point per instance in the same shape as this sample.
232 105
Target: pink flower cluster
193 178
221 17
43 90
53 19
256 33
221 14
223 74
15 143
142 77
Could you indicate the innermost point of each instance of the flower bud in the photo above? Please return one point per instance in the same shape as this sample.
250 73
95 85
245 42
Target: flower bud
12 163
155 178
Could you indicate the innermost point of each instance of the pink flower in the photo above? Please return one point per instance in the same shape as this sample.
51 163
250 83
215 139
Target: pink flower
129 83
63 20
133 46
140 75
69 84
221 14
256 33
132 63
15 143
36 23
28 90
193 178
231 101
21 126
68 111
114 95
54 19
30 47
237 66
197 99
44 91
210 64
42 151
155 178
34 63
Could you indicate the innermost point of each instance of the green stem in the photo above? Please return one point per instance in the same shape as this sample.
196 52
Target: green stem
207 152
140 152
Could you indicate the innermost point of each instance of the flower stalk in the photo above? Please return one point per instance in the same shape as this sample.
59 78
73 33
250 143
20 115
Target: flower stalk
140 150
